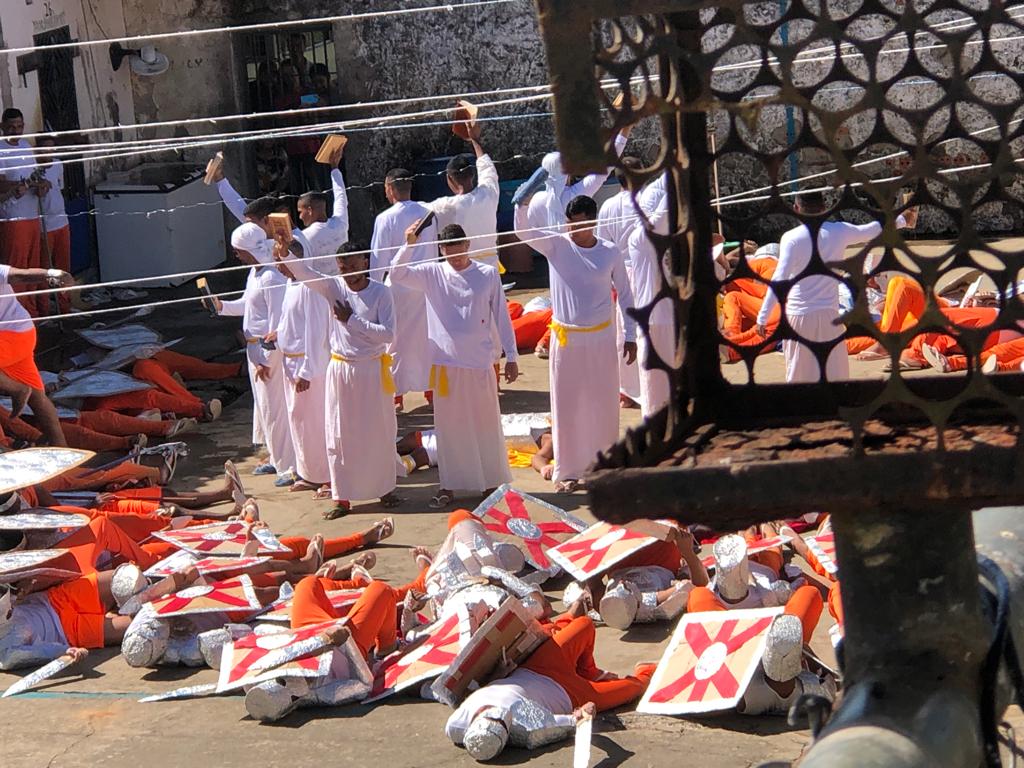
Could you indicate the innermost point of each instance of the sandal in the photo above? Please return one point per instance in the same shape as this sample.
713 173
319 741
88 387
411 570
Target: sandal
322 493
391 500
385 528
567 486
441 501
340 509
302 485
237 489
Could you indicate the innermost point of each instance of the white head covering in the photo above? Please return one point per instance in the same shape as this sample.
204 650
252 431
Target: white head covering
487 735
251 238
555 185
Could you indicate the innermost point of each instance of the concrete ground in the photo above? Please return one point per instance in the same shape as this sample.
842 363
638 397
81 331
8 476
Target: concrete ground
93 718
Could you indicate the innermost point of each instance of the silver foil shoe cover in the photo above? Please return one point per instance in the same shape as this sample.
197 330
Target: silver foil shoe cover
732 571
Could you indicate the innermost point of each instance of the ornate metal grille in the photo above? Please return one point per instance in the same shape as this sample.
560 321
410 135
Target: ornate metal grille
884 106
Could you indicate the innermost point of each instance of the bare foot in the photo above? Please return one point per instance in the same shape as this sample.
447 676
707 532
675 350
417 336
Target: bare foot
366 560
337 636
328 570
314 556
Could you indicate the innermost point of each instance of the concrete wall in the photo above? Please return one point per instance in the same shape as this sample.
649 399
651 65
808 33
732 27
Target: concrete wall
104 96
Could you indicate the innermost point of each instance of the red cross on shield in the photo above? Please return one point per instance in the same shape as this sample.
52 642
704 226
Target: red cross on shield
420 662
509 512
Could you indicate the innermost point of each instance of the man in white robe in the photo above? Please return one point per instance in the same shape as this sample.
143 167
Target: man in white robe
812 305
465 300
410 350
260 310
326 235
361 425
303 335
583 365
646 279
473 204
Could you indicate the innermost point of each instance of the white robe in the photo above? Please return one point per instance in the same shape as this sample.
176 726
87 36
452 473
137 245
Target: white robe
302 336
584 370
410 351
615 226
464 306
361 425
326 237
260 308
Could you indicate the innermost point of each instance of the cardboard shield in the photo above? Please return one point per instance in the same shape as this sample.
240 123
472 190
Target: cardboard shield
529 523
709 662
122 336
509 635
597 549
342 601
94 382
427 659
32 466
238 658
14 564
823 547
226 539
758 546
206 565
232 595
42 520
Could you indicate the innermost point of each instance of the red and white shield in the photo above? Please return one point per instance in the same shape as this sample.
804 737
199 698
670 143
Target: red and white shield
231 595
206 565
224 539
528 522
597 549
709 662
823 548
758 546
240 656
425 660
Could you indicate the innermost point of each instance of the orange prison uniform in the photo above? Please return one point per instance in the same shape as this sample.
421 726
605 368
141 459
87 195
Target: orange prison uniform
59 244
769 558
90 440
20 240
372 620
111 423
529 328
192 368
1009 355
148 398
17 356
101 535
567 657
968 317
805 603
904 305
85 479
80 611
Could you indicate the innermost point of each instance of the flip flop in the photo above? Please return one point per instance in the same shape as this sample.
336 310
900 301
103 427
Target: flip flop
322 493
423 562
237 489
441 501
302 485
385 528
391 501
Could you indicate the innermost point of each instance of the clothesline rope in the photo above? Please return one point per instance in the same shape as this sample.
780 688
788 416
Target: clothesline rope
284 24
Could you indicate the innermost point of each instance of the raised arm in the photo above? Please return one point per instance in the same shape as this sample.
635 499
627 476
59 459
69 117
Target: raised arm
403 271
540 240
233 201
591 183
325 285
486 173
339 216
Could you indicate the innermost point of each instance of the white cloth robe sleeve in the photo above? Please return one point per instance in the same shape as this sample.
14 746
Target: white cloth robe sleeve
379 258
233 201
591 184
260 297
236 307
499 311
339 215
315 337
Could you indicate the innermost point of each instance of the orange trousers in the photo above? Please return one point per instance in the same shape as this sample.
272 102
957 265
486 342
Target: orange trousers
59 244
192 368
20 241
372 620
159 375
1009 355
18 427
419 584
969 317
84 479
17 356
149 398
805 603
529 328
80 611
86 545
90 440
111 423
567 657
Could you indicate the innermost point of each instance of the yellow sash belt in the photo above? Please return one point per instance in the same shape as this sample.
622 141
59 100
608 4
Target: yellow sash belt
492 255
562 332
439 380
387 383
294 354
